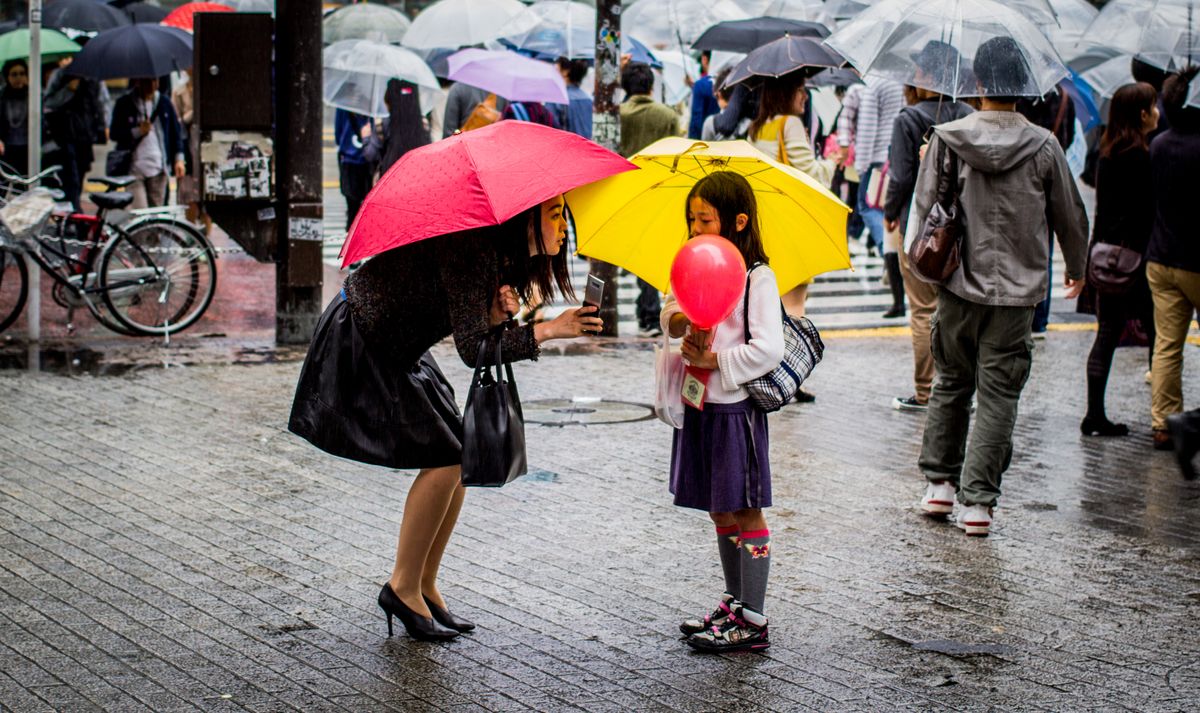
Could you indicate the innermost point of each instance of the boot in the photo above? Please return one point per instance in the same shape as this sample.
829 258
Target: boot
891 263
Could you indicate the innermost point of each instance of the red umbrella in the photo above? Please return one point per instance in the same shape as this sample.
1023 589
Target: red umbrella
184 18
476 178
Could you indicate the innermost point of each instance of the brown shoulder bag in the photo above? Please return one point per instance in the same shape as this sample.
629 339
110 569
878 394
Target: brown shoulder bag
935 254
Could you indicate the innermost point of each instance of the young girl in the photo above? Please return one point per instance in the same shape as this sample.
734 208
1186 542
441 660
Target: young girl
719 460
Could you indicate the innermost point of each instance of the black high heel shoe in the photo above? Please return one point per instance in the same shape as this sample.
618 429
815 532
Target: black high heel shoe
445 618
1102 427
419 627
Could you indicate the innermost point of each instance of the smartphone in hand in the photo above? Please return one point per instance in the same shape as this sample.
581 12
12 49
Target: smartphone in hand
593 295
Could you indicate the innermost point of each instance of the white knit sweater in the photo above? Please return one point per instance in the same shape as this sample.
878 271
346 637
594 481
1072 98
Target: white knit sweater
738 361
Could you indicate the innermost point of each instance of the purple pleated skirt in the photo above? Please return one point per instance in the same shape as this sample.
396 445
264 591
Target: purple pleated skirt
720 460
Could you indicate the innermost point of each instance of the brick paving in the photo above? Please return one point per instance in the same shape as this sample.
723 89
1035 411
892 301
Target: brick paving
166 545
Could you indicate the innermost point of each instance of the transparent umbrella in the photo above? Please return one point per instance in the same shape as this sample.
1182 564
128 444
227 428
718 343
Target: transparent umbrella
1160 32
1193 99
462 23
677 23
364 21
1072 18
933 43
251 5
564 29
356 73
811 10
1110 75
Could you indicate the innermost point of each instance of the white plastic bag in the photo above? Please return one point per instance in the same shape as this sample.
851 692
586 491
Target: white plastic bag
668 383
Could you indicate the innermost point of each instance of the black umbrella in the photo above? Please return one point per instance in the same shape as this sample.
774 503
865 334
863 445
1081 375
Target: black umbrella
134 51
783 56
85 16
835 78
144 12
749 35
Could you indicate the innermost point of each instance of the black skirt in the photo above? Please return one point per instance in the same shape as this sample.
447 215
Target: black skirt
355 401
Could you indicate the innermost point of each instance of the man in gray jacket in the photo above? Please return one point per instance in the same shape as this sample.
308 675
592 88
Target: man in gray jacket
1014 186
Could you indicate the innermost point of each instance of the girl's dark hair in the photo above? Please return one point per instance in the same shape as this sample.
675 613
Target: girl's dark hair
524 271
1124 130
731 194
778 99
405 128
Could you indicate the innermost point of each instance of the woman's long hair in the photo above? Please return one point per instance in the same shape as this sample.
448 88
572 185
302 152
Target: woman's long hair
523 271
778 99
1124 130
731 194
405 128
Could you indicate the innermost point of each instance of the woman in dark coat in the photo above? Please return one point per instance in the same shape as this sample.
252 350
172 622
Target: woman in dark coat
1124 216
405 127
14 115
371 391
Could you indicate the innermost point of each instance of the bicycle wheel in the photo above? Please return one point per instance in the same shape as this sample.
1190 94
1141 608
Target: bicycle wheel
158 276
14 286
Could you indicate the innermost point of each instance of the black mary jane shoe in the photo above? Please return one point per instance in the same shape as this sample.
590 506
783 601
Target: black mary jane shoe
419 627
1103 427
445 618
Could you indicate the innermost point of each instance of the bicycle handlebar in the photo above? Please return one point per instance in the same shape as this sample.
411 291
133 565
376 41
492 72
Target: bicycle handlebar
15 178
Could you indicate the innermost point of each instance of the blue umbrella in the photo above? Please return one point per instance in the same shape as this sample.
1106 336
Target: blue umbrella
134 51
1081 95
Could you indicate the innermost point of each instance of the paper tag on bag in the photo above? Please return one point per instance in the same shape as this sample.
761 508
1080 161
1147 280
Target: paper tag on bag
695 387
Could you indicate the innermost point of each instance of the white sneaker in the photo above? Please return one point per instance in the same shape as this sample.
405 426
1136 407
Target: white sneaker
975 520
1149 376
939 499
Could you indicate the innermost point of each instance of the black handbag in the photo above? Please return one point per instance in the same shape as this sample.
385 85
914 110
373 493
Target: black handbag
119 162
1112 269
493 450
935 254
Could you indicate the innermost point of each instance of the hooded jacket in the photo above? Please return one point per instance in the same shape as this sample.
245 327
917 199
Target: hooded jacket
1014 186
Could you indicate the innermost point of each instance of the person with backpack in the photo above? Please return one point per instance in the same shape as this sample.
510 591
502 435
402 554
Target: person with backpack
720 460
909 132
462 101
1012 185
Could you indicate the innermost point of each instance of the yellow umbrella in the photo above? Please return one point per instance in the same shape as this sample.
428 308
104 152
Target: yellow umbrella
636 219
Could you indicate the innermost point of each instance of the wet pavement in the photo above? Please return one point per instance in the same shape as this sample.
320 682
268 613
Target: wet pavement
166 545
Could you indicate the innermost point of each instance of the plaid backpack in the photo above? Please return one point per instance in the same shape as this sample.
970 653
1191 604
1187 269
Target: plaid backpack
802 350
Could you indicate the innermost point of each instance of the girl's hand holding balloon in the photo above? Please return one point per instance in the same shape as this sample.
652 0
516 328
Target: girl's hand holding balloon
696 350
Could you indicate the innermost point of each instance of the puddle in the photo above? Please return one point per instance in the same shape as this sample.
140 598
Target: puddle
130 357
951 647
540 476
584 411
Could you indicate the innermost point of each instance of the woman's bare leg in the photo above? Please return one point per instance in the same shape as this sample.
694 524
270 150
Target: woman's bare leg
424 510
433 561
793 300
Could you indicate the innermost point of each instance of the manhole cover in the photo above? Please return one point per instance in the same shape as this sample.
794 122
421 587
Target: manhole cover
584 412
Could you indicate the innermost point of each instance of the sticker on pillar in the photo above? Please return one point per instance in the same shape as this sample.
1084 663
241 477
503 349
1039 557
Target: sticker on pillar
305 229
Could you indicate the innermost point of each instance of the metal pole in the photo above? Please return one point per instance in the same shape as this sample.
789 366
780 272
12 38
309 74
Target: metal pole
606 129
33 311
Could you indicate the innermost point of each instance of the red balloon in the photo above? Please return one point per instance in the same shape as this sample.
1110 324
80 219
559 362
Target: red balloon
707 279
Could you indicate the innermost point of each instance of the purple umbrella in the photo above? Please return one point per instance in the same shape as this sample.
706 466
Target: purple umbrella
509 75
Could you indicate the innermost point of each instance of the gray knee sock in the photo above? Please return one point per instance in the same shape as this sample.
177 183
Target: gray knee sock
731 559
756 566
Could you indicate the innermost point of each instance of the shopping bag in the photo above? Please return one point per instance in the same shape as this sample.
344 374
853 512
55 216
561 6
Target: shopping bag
493 425
668 383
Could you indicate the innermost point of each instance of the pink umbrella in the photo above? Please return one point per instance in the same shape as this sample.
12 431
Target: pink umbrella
508 74
470 180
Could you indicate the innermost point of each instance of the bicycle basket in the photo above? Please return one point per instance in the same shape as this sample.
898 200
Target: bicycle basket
26 214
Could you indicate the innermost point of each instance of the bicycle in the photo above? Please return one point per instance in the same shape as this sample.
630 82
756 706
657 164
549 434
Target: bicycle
149 274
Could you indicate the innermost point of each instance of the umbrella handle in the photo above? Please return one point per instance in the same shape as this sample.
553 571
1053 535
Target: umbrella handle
693 147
